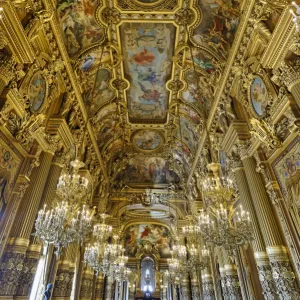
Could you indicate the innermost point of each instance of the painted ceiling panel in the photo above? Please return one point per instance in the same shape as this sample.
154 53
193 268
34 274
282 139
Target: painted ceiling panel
220 19
147 50
78 24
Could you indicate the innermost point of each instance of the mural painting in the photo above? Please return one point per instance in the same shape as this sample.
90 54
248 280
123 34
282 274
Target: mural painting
108 130
37 91
287 166
188 134
157 235
200 60
147 51
78 24
148 170
105 112
147 140
10 164
190 113
192 94
259 96
183 155
97 90
218 26
92 59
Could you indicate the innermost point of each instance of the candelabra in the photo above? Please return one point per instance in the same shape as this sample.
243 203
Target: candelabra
73 188
296 16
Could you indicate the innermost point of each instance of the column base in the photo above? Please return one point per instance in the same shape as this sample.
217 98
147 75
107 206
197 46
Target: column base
282 273
265 276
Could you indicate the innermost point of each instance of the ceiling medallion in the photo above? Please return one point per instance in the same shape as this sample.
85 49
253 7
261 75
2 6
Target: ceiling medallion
147 140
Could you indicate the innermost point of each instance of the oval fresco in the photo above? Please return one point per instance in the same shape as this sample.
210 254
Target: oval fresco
258 96
92 59
147 140
37 92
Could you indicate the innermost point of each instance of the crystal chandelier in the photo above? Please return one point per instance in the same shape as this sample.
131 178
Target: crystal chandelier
173 274
82 224
73 188
102 231
216 223
220 231
55 227
296 16
120 272
102 256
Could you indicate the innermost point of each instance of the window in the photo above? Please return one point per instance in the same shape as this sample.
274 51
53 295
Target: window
147 274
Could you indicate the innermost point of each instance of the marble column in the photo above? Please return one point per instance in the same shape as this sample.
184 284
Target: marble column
286 286
28 271
223 275
232 280
208 285
86 287
61 289
99 288
184 289
195 285
258 244
109 288
23 224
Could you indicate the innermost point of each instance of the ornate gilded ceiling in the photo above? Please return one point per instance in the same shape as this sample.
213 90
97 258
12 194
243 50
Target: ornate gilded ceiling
147 72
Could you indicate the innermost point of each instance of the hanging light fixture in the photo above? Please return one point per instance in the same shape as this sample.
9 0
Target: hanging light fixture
58 227
217 227
73 188
102 231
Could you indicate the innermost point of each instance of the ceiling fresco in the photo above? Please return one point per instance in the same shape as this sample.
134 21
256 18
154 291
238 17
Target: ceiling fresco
96 90
147 50
148 170
78 24
218 26
147 140
147 80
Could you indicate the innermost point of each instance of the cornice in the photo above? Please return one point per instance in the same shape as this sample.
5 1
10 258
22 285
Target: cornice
58 126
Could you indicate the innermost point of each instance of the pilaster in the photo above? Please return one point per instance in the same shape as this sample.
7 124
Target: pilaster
270 229
208 286
23 224
86 284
